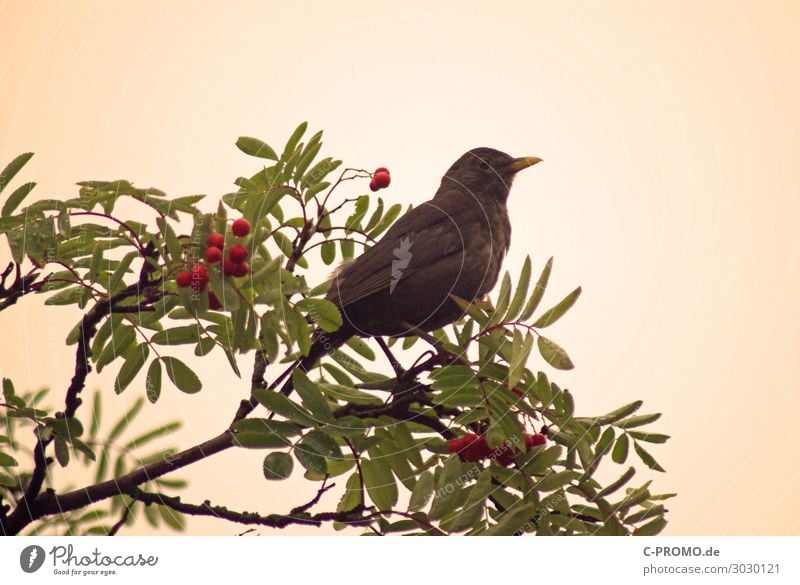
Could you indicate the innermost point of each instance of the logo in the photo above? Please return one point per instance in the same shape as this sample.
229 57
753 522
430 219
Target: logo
31 558
402 256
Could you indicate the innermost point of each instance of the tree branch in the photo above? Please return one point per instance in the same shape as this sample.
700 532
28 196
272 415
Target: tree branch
353 517
51 503
22 285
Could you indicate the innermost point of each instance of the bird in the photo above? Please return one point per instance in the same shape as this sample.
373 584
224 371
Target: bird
451 245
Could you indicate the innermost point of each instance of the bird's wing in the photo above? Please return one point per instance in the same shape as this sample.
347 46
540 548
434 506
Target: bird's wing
421 237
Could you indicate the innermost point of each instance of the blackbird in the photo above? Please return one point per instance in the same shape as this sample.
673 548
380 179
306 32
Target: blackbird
453 244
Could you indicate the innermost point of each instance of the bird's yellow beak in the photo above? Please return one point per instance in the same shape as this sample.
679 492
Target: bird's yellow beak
524 162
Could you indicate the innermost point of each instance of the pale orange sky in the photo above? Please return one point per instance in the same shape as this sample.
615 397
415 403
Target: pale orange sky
670 190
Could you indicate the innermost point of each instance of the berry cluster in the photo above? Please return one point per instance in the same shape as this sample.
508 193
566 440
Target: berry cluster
234 265
472 447
380 179
236 262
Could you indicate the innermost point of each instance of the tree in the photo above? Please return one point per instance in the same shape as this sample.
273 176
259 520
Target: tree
478 441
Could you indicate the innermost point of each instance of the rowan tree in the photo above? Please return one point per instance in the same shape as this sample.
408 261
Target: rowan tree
470 436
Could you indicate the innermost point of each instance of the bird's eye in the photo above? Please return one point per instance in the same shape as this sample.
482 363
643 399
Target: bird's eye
483 166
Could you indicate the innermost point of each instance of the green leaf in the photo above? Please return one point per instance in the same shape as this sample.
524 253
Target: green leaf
620 452
204 346
634 498
66 427
513 520
422 493
312 397
503 300
349 394
13 168
280 404
177 335
619 413
278 466
554 314
555 480
125 420
156 433
638 420
62 451
328 252
453 377
380 483
376 216
554 354
606 441
361 348
264 433
538 291
310 458
645 514
473 509
97 403
323 312
121 270
348 249
82 447
646 458
291 144
66 296
651 528
122 337
521 351
386 450
173 519
153 381
7 460
386 220
323 443
8 389
352 494
617 484
522 291
16 198
180 374
649 437
134 360
308 155
256 147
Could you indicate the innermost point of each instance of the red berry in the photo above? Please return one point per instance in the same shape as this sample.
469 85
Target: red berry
506 458
199 276
213 301
229 267
381 170
535 440
475 447
183 278
382 180
215 240
240 227
454 446
237 253
373 186
242 268
213 255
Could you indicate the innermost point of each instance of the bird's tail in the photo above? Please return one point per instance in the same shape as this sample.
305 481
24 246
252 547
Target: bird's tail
322 343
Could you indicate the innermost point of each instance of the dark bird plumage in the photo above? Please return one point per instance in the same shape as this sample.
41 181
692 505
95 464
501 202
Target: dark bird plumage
453 244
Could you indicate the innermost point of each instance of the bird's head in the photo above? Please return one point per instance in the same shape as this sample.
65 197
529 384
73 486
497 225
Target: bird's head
486 173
